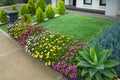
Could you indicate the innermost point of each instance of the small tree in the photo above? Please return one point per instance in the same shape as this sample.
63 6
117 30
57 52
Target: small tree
49 12
26 18
39 15
31 7
60 7
14 8
41 4
24 9
3 16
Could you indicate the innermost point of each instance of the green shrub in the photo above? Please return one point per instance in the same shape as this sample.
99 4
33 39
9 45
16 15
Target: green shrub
60 7
31 7
8 2
49 12
110 39
3 16
41 4
39 15
24 9
96 65
14 8
26 18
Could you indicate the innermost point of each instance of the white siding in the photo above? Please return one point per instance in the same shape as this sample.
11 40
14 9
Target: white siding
95 5
54 3
112 8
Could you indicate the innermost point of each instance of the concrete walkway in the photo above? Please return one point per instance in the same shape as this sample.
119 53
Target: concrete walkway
15 64
95 15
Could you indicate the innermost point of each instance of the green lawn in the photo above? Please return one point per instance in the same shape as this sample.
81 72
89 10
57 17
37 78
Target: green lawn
80 27
4 27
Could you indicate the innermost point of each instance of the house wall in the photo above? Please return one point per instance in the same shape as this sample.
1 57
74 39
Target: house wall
95 5
112 7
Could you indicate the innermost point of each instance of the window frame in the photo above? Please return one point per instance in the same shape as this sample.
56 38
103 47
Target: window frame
102 4
88 3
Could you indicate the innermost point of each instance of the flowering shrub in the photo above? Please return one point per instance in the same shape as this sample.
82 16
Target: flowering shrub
29 32
47 46
67 64
15 29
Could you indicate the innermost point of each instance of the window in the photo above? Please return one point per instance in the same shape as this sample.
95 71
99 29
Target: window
89 2
102 2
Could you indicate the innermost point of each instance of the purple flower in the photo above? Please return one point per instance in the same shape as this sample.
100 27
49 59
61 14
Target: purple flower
73 75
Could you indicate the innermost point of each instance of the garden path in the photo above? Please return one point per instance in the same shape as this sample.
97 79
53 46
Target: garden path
15 64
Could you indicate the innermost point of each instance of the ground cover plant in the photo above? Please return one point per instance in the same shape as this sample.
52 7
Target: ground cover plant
110 39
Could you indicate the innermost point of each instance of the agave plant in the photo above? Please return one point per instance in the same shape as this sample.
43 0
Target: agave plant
96 65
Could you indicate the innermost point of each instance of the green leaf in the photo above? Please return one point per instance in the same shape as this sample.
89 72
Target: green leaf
107 73
85 49
87 78
87 57
113 72
84 72
97 49
103 56
100 66
98 76
84 64
92 72
110 63
93 55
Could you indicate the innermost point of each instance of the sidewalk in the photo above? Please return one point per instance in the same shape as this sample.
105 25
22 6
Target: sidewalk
15 64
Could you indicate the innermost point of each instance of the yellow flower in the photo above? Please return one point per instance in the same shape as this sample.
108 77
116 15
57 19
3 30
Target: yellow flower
41 52
46 63
47 55
35 55
16 37
51 36
45 51
59 48
36 52
46 47
40 56
63 44
49 63
46 39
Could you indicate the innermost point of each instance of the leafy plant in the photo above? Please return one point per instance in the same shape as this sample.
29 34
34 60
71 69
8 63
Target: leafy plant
31 7
39 15
26 18
41 4
110 39
49 12
60 7
24 9
3 16
96 65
